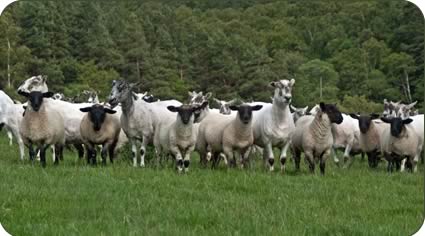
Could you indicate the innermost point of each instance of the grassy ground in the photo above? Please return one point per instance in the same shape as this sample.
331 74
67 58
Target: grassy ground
74 199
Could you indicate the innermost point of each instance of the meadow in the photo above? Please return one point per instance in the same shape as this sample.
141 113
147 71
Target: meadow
76 199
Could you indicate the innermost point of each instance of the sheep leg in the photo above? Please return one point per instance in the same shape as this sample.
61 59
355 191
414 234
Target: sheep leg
229 154
245 157
58 153
20 143
403 164
283 154
186 161
134 151
80 150
297 159
43 155
143 151
347 158
323 158
32 152
415 162
268 155
335 156
9 135
104 153
53 153
310 159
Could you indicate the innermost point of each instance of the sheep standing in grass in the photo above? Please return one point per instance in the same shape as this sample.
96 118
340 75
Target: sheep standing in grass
178 138
371 131
274 124
42 126
99 127
313 136
401 141
139 118
226 133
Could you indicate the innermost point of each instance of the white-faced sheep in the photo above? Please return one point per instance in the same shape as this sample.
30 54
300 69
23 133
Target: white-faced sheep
225 106
226 133
99 127
313 136
178 138
298 112
42 126
274 124
139 118
401 141
371 131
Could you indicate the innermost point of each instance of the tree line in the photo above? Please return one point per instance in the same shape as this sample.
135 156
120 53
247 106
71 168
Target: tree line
352 53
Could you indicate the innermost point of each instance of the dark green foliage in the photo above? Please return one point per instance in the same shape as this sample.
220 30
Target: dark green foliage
231 48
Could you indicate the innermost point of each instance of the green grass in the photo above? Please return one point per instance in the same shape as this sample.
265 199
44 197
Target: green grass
75 199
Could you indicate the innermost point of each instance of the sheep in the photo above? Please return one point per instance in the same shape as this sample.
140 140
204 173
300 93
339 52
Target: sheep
178 138
227 133
99 127
390 108
371 131
405 110
10 117
298 112
35 83
139 118
313 136
42 126
274 124
401 141
224 106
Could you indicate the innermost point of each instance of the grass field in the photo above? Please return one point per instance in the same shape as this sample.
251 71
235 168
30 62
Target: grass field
75 199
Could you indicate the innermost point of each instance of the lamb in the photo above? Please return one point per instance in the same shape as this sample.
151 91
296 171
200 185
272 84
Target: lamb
274 124
399 142
298 112
313 136
99 127
178 138
227 133
225 106
139 118
42 126
371 131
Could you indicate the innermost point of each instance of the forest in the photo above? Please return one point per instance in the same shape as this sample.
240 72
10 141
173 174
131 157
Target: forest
360 51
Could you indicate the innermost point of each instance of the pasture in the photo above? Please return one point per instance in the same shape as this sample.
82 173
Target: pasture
76 199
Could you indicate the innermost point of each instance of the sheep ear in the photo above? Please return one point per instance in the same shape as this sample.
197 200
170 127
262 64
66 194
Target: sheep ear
292 82
411 105
109 111
386 120
48 94
305 109
234 107
257 107
85 109
135 97
44 78
374 116
22 93
322 106
216 100
173 108
354 116
407 121
292 108
273 84
232 102
208 95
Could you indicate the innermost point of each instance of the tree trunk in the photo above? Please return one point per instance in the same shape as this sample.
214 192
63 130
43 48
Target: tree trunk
406 77
9 83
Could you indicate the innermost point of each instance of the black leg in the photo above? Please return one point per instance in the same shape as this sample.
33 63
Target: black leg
104 154
80 150
58 153
43 156
32 153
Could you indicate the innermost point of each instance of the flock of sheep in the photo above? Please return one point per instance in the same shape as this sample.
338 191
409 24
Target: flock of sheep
230 133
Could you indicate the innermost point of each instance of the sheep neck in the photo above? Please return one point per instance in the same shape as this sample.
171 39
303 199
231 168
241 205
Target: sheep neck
280 112
243 130
321 126
183 130
128 105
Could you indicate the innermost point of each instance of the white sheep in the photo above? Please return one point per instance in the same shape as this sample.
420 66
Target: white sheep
178 138
226 133
313 136
401 141
274 124
100 127
139 118
371 131
42 126
298 112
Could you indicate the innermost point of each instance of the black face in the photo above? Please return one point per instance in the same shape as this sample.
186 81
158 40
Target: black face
397 125
333 113
245 112
36 98
185 112
97 115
